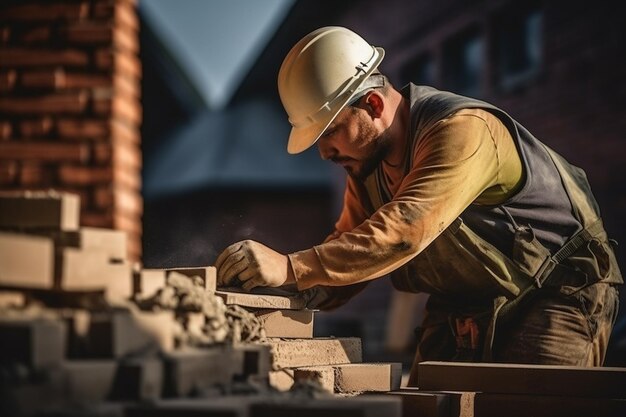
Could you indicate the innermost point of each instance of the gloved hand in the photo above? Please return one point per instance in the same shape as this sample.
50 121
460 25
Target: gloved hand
254 264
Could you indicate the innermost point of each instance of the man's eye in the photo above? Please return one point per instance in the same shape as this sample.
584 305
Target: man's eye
328 132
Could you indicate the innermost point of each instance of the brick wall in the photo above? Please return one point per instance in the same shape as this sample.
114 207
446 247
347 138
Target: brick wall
69 106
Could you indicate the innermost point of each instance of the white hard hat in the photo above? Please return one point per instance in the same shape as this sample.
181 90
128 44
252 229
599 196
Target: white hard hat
319 76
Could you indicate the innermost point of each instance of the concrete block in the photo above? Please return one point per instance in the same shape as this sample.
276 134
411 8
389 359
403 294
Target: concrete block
356 377
208 274
89 382
262 300
286 323
26 261
424 404
522 379
123 333
138 379
112 243
148 282
294 353
197 407
194 371
362 406
37 343
511 405
85 270
39 210
252 361
282 380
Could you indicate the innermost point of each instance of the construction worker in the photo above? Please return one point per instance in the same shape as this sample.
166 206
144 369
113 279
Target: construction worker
447 195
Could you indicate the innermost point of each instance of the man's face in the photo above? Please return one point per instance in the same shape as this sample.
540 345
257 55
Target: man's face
353 142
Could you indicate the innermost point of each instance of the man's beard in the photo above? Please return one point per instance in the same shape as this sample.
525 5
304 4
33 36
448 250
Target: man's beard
380 149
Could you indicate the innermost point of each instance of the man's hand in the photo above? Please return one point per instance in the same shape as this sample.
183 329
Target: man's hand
254 264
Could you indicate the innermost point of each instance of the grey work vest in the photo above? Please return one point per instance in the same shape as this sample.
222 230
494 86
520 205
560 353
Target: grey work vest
498 252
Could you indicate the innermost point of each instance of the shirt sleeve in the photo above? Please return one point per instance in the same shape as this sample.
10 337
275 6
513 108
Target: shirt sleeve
453 163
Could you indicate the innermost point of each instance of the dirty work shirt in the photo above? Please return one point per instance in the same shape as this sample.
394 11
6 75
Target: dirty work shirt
468 157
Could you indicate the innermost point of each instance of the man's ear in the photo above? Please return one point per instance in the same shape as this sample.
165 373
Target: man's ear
374 104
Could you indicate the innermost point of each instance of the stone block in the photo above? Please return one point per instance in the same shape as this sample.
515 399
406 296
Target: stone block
266 301
197 407
206 273
282 380
356 377
149 281
552 380
36 343
192 371
425 404
362 406
138 379
26 261
89 382
39 210
286 323
252 361
294 353
123 333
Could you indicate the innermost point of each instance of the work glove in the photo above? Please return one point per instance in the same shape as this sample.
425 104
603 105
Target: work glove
254 265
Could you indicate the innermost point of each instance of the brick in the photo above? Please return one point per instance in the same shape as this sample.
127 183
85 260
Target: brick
35 35
255 361
30 57
12 299
122 14
89 382
39 210
6 129
117 106
193 371
231 406
33 174
206 273
74 175
32 128
117 62
26 261
83 129
293 353
48 79
67 103
8 172
119 154
138 379
98 33
426 404
90 270
282 380
120 199
231 296
355 377
5 34
286 323
111 243
36 343
7 80
511 405
149 282
122 333
522 379
362 406
44 151
46 12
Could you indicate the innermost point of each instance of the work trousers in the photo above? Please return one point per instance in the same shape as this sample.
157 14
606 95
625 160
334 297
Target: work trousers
549 329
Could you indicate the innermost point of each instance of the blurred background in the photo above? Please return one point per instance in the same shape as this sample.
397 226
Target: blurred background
194 89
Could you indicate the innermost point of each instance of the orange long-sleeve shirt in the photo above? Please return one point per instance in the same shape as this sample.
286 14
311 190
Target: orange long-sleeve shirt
468 157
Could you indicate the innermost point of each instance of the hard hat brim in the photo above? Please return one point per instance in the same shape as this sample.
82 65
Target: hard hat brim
302 138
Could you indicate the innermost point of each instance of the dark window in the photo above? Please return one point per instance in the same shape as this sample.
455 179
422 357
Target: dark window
518 43
464 63
421 70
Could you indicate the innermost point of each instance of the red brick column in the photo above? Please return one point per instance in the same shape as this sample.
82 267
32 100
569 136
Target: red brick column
70 109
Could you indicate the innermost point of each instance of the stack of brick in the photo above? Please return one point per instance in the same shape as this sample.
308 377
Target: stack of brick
82 340
69 106
453 389
335 364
